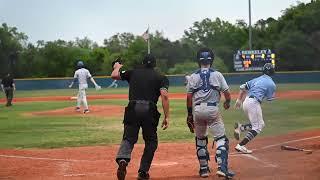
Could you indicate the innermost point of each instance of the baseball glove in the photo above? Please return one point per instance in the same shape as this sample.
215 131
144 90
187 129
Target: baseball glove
117 60
98 87
226 104
190 123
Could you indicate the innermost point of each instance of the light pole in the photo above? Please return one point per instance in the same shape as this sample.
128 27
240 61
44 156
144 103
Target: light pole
250 28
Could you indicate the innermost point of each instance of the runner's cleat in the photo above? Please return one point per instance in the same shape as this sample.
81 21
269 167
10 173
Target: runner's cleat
242 149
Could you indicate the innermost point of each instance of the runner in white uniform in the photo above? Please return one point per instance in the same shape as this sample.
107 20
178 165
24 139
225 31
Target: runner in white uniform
82 74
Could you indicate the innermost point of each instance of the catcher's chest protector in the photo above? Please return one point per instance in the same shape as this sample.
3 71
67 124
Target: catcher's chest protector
205 80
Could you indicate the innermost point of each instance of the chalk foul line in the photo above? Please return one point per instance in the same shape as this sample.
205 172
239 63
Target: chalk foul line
42 158
267 164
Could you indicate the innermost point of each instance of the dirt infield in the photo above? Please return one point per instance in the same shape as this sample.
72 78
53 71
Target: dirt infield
95 110
172 161
303 94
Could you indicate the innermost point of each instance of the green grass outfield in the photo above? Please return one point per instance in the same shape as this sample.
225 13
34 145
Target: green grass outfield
19 131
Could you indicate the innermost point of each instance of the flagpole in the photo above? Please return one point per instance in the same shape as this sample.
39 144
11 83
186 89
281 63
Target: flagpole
148 46
148 40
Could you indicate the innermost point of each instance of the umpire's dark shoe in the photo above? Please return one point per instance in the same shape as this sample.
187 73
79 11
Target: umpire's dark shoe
143 175
122 169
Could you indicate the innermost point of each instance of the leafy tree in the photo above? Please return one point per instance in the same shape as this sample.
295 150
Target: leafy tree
219 35
10 46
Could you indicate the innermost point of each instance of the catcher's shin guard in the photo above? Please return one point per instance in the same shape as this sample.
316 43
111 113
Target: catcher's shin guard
222 157
202 152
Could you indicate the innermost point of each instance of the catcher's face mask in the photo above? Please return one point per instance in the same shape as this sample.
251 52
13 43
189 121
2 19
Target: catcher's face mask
205 58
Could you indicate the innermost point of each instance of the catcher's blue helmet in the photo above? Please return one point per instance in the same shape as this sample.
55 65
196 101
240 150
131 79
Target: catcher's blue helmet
80 64
268 69
205 56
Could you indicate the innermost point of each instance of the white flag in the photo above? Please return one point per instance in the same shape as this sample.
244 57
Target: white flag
145 35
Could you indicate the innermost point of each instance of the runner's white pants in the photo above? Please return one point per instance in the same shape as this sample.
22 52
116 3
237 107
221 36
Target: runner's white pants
252 108
82 97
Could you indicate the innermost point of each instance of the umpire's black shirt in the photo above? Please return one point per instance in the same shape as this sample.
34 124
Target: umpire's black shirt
7 82
145 83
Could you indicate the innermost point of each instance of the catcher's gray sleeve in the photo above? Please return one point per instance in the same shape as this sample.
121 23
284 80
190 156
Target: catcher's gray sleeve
191 84
223 83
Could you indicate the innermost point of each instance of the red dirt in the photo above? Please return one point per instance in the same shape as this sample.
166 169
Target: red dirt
303 94
172 161
95 110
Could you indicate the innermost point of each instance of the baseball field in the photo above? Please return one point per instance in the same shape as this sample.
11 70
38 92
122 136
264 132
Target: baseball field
42 137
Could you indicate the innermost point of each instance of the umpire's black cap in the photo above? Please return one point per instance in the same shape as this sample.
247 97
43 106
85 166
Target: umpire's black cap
149 60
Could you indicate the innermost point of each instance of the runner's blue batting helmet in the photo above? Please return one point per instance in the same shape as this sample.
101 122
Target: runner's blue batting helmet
80 64
268 69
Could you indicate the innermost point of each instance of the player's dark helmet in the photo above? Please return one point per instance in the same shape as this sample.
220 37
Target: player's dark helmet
149 60
205 56
80 64
268 69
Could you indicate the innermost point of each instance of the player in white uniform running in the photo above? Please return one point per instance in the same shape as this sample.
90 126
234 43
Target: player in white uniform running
82 74
203 97
254 92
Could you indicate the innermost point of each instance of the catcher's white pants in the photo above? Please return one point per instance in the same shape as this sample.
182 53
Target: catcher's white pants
82 97
252 109
208 119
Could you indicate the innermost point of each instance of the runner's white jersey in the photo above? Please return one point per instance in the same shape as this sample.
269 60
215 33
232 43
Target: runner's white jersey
82 75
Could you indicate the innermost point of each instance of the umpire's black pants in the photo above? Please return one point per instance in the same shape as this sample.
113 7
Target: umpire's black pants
133 120
9 95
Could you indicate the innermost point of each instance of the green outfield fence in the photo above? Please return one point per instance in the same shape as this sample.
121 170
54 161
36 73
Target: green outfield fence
175 80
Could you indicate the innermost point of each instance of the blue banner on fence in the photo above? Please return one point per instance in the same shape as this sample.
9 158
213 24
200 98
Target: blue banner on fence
178 80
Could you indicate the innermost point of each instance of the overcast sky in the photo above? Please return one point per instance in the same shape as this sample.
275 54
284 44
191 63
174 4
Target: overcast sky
99 19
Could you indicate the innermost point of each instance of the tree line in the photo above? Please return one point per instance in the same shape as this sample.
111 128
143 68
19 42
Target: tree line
295 37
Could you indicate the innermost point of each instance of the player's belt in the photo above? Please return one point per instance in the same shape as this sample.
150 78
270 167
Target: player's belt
255 98
208 104
142 102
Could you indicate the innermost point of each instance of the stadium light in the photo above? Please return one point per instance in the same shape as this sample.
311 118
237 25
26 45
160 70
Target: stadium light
250 28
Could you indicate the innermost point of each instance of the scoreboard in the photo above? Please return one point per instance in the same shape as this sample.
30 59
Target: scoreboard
253 60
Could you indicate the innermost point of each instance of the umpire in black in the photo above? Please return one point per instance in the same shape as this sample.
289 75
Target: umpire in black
145 87
8 86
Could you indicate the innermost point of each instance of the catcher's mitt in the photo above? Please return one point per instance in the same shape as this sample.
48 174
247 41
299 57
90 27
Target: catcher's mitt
117 60
226 104
190 123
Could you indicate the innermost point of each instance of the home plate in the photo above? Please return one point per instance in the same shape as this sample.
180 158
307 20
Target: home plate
164 164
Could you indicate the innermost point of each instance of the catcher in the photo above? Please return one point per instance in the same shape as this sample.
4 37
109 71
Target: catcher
203 96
